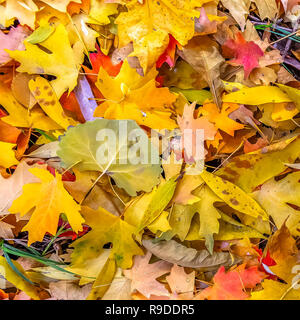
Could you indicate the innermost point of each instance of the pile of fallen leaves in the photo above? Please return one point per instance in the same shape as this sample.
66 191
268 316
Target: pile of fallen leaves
74 227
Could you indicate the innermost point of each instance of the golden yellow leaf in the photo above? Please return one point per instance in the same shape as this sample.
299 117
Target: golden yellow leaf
149 24
49 199
257 95
56 60
103 281
131 96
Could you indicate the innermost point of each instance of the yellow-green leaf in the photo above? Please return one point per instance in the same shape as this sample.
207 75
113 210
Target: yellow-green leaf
232 195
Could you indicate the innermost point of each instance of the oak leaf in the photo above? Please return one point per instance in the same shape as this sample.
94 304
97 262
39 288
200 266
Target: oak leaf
106 228
281 195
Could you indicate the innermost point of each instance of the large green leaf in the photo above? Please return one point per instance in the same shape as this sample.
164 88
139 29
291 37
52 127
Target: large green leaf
80 148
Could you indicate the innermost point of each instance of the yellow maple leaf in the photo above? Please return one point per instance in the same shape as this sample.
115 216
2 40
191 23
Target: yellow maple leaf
131 96
149 24
57 59
49 199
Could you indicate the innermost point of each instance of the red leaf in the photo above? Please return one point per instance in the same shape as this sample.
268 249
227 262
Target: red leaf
98 60
70 103
169 55
245 53
231 285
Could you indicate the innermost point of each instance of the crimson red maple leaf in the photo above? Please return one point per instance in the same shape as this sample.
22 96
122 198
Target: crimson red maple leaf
245 53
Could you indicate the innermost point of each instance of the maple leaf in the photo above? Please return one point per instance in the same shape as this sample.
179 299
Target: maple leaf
100 60
231 285
188 122
50 199
75 8
221 119
281 244
6 230
65 290
59 61
130 95
245 53
143 276
282 247
11 188
267 8
203 55
149 24
181 284
207 24
100 10
105 228
13 40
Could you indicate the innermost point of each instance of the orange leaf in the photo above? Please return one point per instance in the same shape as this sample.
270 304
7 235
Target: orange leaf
220 118
231 285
